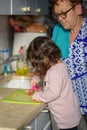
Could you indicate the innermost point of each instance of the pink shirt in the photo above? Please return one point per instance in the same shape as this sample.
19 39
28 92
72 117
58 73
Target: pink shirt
59 95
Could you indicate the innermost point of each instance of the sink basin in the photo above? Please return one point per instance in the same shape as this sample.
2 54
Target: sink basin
20 82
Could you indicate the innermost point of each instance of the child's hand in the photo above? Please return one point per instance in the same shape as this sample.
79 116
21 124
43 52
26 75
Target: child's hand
33 82
34 96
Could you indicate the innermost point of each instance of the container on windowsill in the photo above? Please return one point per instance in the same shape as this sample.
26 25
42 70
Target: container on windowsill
22 67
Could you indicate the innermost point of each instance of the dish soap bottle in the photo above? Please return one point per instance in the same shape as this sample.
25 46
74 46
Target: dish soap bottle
5 53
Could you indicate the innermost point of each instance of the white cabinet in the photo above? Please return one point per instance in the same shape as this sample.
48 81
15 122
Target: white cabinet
41 122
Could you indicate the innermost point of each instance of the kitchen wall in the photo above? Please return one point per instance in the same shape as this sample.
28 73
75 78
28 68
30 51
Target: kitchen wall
5 33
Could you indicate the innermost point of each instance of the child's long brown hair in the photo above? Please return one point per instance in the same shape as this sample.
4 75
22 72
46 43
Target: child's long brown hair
42 53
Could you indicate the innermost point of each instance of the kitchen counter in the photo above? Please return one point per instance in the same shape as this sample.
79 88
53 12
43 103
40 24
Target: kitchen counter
15 116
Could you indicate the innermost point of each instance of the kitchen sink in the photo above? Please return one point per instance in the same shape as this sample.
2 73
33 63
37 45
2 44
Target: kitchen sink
13 81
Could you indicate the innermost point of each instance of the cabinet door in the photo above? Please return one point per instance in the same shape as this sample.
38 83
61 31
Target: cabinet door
38 7
42 7
24 7
18 6
5 7
43 121
31 7
30 126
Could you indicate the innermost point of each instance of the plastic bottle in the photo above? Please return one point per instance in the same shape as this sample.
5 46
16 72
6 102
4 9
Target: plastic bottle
5 53
22 67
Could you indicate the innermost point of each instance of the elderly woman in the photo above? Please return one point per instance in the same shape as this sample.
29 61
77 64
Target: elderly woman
70 35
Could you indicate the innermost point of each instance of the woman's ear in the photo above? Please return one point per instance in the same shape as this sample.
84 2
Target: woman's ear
79 9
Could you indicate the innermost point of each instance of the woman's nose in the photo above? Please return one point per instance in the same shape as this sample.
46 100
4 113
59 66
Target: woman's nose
59 19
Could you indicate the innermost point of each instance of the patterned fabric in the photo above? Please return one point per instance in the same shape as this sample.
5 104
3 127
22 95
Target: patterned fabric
77 66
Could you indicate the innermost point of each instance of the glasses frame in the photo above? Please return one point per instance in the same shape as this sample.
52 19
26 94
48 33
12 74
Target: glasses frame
62 14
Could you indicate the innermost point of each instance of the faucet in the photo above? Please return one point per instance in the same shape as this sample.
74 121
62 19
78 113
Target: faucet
12 58
6 63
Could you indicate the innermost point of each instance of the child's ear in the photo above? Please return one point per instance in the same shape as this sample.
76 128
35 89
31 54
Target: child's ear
46 60
79 9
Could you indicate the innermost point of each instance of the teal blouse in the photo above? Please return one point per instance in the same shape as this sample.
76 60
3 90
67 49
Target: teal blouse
60 36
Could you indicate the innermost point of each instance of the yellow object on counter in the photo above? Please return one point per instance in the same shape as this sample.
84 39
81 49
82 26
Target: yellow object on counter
22 68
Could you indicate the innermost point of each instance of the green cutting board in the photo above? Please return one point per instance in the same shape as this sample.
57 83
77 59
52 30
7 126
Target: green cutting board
20 96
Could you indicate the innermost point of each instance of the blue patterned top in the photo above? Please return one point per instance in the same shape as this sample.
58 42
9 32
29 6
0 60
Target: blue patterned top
77 66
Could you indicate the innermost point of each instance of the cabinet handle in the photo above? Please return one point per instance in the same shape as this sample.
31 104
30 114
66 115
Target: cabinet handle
28 128
26 9
38 10
46 109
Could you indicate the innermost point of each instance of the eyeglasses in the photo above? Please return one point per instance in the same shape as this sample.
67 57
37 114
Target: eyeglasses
63 14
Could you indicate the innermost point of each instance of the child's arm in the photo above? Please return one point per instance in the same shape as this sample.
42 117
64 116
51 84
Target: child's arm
36 85
52 89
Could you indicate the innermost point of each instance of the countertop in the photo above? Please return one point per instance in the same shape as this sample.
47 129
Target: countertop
15 116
